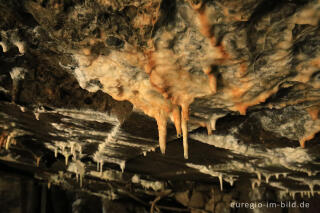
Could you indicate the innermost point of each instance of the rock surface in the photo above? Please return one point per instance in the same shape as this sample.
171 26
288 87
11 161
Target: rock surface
92 88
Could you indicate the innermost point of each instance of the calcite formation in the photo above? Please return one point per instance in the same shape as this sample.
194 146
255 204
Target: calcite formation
244 70
167 57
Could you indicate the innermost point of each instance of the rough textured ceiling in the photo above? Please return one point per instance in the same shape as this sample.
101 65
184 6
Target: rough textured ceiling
247 71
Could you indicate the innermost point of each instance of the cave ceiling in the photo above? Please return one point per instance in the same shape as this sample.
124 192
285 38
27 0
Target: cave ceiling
163 89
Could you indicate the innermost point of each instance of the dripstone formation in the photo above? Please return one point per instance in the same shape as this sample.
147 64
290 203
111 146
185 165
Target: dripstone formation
107 82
